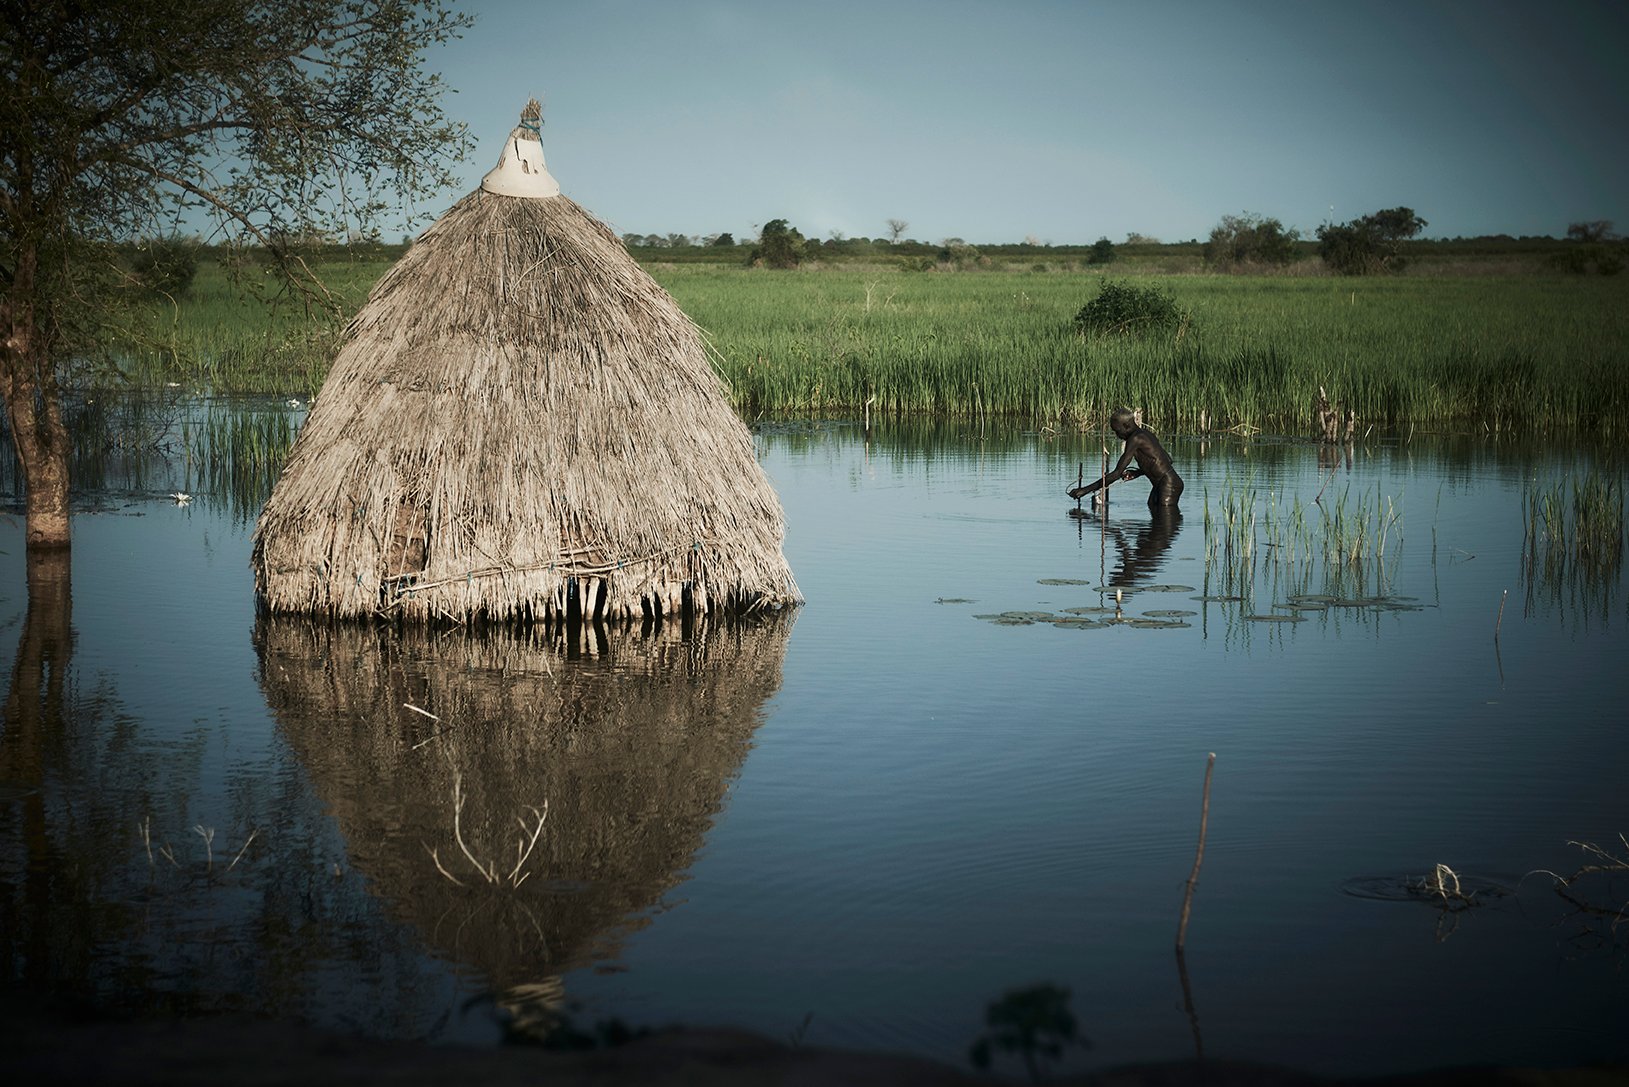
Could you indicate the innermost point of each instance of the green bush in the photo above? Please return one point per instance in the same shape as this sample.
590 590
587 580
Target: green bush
1369 245
165 265
780 245
1240 241
1121 309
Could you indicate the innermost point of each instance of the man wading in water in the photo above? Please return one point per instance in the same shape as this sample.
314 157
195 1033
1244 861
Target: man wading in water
1152 461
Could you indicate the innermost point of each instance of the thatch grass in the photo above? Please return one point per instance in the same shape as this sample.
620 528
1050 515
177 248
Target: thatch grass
522 425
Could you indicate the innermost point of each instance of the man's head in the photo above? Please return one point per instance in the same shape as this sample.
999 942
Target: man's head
1123 422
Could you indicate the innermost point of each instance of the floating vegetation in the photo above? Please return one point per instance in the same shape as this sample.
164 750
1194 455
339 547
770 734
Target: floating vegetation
1090 619
1062 581
1276 618
1170 613
954 600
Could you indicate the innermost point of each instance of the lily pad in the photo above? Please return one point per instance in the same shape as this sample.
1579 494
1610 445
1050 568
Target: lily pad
1276 618
1218 598
1097 610
1168 588
1079 624
1157 624
1062 581
954 600
1169 613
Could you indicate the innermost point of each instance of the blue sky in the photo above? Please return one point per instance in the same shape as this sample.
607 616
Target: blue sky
997 121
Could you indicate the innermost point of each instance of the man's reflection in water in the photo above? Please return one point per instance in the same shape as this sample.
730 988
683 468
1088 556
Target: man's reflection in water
1142 547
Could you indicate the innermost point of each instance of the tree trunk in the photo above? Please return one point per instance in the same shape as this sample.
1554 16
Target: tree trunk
42 443
33 407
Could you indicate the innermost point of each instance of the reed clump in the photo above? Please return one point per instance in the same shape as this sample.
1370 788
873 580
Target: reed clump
1335 548
1572 553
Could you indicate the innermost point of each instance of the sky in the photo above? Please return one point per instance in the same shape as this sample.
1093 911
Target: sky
1057 121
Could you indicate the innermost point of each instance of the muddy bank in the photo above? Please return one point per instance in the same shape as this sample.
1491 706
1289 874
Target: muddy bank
45 1050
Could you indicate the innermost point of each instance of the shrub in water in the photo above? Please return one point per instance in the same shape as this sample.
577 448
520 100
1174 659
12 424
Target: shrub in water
1122 309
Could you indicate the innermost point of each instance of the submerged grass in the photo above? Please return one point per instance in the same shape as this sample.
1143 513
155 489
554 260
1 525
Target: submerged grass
1573 531
1496 353
1333 550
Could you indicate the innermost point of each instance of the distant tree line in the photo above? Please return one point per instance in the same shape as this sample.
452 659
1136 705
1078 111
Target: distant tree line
1375 244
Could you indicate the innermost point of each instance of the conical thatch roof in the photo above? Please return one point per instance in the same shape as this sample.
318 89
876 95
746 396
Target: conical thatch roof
631 746
521 424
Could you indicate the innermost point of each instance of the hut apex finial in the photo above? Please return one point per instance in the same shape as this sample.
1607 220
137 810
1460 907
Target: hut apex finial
520 170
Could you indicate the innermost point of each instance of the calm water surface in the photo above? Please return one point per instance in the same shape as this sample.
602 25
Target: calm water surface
863 823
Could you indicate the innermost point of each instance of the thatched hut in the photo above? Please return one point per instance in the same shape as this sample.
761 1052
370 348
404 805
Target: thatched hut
521 424
630 743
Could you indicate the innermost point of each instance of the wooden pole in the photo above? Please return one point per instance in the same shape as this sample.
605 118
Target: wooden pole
1198 857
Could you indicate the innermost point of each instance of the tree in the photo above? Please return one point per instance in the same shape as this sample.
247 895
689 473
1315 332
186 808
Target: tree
277 120
1249 239
1102 252
780 245
724 239
1592 232
1593 245
896 229
1370 244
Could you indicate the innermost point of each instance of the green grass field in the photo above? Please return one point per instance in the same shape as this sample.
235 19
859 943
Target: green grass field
1534 352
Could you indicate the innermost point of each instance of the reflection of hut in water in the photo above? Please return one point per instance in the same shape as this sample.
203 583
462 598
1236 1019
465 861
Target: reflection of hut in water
521 425
632 749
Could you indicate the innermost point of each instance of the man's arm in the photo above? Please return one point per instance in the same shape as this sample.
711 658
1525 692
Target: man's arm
1117 473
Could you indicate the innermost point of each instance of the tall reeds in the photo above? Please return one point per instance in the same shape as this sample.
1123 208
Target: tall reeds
1495 354
1573 532
1332 551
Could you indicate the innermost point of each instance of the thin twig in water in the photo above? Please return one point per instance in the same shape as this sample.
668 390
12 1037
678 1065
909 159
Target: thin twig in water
208 835
530 832
252 835
1198 857
439 868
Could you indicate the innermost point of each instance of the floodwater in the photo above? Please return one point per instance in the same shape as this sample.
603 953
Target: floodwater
966 772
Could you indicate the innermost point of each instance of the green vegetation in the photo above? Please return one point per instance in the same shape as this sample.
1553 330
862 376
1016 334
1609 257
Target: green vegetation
780 245
1122 309
273 121
1475 352
1338 551
1494 354
239 330
1371 244
1242 242
1583 535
